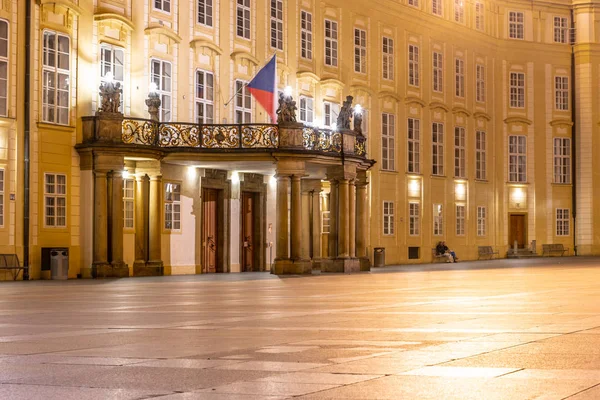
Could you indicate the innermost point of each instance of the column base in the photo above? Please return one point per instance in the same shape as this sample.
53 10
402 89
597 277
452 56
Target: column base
365 264
86 273
316 264
292 267
151 268
341 265
106 270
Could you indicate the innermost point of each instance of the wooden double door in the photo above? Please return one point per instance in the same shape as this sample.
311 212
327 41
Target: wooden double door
250 232
517 230
210 230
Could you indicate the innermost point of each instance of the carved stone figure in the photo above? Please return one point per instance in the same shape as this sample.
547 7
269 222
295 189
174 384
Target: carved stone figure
111 97
286 112
153 103
358 118
343 120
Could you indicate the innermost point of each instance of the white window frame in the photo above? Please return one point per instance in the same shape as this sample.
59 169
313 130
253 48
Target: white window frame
172 206
480 155
414 218
438 220
480 83
459 73
388 142
204 96
562 160
563 222
413 65
306 35
460 219
481 221
164 86
55 193
56 70
243 19
387 50
479 16
204 12
437 8
360 51
414 3
517 90
459 11
4 68
438 72
516 25
330 114
561 93
331 43
306 112
117 70
1 197
460 152
388 218
243 103
162 5
277 24
561 27
437 150
517 158
413 137
128 203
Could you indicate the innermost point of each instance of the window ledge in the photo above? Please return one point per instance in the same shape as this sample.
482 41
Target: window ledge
562 184
56 127
438 176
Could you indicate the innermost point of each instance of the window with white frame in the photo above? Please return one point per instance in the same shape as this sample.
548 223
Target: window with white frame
243 103
438 72
517 158
163 5
480 155
437 140
55 200
388 58
459 11
243 19
414 3
517 90
330 113
306 110
516 23
459 70
561 93
360 51
128 203
277 24
438 220
388 218
436 7
480 83
161 75
1 197
562 160
460 220
172 206
365 122
205 95
205 12
306 35
56 78
460 151
413 65
479 16
560 30
331 43
414 138
325 221
388 142
414 219
112 65
562 222
481 221
3 68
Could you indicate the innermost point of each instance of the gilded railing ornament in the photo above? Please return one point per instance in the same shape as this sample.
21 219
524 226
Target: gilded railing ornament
323 140
343 120
286 112
139 131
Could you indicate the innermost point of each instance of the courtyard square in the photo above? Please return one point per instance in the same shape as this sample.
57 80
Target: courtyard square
502 329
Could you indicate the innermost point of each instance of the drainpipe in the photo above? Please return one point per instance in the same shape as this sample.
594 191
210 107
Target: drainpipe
573 139
26 140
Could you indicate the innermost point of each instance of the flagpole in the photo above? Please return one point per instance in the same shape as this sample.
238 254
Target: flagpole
235 94
246 84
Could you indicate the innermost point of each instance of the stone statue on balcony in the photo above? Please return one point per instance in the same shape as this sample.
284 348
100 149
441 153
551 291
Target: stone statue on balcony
286 112
343 120
110 94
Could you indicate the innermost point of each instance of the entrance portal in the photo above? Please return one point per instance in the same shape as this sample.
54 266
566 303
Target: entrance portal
210 233
248 233
517 231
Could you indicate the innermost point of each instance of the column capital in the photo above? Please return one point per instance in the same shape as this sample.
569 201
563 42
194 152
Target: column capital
142 178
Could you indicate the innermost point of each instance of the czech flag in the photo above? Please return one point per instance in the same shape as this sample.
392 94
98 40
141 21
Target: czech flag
263 87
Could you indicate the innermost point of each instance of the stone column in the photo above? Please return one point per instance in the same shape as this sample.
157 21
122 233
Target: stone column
306 225
119 267
155 226
281 223
362 222
333 219
296 218
100 266
344 220
352 220
141 223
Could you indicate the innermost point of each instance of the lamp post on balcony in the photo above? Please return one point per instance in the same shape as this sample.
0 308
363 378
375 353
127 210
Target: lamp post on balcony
153 102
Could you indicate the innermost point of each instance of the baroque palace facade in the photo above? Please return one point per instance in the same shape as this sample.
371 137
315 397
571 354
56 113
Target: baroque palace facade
481 118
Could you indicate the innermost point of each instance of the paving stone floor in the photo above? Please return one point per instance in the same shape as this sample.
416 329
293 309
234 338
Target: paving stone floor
478 330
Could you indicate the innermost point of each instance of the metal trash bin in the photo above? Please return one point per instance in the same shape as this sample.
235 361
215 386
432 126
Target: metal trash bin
379 257
59 264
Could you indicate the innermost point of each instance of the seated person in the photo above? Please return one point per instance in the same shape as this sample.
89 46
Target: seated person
442 250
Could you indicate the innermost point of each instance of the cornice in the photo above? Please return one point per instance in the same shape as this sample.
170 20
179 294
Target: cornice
115 17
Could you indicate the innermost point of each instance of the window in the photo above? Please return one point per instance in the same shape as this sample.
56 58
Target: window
204 97
55 200
388 142
326 221
388 217
480 156
331 43
459 11
460 152
460 77
480 83
438 72
330 113
560 30
306 109
388 58
437 138
306 35
243 104
277 24
3 68
479 15
365 122
161 76
55 78
205 12
460 220
413 137
414 3
438 221
515 25
360 51
517 90
243 19
128 203
481 221
112 61
1 197
413 65
561 93
562 222
172 206
436 7
517 159
162 5
562 160
413 219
